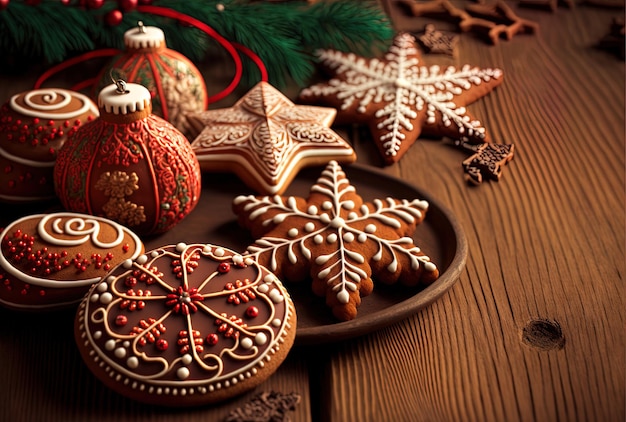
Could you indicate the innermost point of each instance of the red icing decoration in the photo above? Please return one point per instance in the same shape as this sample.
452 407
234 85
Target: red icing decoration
223 268
252 311
143 174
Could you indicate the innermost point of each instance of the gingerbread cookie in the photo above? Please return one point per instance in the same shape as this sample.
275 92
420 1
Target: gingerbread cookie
400 99
33 126
185 325
266 139
51 260
339 241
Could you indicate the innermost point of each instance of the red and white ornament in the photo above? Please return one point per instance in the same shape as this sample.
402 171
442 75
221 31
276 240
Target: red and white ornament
176 86
129 165
33 126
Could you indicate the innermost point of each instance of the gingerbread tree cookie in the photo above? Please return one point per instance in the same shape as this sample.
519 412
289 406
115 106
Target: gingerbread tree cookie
400 98
341 242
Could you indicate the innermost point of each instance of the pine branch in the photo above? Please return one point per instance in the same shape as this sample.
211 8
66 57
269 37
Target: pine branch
284 35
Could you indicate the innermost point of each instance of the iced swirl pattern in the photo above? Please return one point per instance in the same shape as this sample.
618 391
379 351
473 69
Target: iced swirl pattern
184 320
52 103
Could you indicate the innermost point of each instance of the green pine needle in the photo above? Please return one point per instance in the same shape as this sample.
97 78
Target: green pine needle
284 35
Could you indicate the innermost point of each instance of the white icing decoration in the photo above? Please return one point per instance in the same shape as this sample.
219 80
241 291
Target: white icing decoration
269 136
54 99
402 87
120 355
142 259
246 343
341 268
263 288
136 98
181 246
260 339
106 298
182 373
102 287
94 297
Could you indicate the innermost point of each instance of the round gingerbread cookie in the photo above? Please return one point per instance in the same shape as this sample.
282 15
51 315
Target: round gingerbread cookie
51 260
33 126
185 325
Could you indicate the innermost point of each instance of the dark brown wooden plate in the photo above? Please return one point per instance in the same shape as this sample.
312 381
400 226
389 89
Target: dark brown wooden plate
440 237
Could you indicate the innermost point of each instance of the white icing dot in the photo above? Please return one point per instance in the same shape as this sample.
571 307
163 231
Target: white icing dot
348 237
325 218
269 278
352 215
220 252
263 288
276 296
187 359
370 228
127 264
429 266
102 287
327 205
109 345
362 237
332 238
132 362
309 227
120 352
142 259
293 232
337 222
181 246
318 239
249 261
246 343
94 297
237 259
260 339
126 343
312 210
154 254
349 205
106 298
276 322
226 384
182 373
97 335
206 249
343 296
110 279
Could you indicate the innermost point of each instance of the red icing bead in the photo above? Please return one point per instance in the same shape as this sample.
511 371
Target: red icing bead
121 320
223 268
252 311
162 344
212 339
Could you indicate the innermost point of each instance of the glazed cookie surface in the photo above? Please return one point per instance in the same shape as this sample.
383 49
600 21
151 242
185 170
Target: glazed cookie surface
51 260
337 240
185 325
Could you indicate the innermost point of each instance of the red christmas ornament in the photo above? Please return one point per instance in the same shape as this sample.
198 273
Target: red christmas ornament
113 18
175 84
129 165
127 5
4 4
33 127
95 4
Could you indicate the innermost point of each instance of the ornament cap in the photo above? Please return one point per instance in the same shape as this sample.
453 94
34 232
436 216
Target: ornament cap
142 37
122 98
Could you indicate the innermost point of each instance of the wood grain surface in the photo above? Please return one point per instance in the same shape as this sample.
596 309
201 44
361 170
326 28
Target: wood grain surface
534 330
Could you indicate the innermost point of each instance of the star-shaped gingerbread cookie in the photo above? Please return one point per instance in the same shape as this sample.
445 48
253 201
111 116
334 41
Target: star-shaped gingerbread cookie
400 98
336 239
266 139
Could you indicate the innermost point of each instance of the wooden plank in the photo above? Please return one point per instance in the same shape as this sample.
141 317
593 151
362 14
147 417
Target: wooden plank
546 248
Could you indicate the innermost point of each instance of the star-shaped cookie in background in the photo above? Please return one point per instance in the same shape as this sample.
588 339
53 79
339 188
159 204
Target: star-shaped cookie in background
266 139
435 41
337 240
487 161
401 99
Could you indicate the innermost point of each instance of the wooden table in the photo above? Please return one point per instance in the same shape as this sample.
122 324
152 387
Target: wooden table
534 328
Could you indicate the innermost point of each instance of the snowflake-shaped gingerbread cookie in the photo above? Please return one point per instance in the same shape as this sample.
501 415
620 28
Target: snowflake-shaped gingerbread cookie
400 98
337 239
